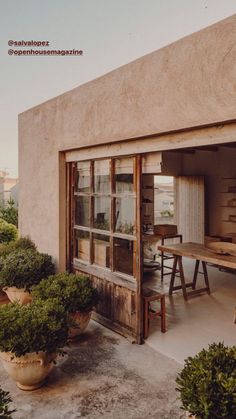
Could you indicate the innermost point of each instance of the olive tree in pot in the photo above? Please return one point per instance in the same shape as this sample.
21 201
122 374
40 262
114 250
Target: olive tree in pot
21 269
75 292
207 383
31 336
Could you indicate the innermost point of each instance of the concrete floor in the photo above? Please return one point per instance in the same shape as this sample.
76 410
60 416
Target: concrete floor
198 322
102 376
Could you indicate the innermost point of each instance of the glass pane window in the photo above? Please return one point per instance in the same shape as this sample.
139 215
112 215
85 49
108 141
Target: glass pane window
102 212
124 175
123 256
125 215
102 176
101 250
82 245
82 183
82 211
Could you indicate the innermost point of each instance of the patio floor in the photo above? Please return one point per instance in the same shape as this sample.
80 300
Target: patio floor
103 376
198 322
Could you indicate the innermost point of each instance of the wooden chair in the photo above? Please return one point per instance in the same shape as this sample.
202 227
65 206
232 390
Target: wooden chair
149 313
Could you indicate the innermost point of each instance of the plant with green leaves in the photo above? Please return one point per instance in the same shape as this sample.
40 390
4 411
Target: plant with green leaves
35 327
9 212
75 292
5 400
24 268
8 232
207 383
23 243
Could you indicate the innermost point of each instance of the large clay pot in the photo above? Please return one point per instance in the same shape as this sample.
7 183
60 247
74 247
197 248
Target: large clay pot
18 294
82 320
29 371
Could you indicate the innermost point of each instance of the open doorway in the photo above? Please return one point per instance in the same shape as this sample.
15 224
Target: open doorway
163 199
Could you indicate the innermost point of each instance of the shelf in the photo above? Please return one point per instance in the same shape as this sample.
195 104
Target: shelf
228 206
228 178
228 192
228 221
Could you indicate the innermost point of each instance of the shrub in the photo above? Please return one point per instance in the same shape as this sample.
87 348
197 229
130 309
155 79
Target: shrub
23 243
24 268
8 232
5 399
39 326
75 292
9 212
207 383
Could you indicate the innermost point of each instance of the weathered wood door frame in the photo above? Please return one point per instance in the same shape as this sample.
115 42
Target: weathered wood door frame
137 288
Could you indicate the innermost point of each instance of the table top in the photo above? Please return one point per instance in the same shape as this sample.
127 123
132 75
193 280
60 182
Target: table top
199 252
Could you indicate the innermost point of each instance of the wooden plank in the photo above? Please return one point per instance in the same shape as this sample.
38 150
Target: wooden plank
105 274
200 252
220 134
68 216
114 326
91 212
139 249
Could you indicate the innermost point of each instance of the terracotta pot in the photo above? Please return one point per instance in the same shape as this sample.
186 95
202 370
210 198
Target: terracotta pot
82 320
18 294
29 371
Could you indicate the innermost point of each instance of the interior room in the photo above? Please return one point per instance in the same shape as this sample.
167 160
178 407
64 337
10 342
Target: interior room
195 190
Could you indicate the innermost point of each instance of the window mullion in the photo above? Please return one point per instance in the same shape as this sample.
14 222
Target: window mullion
112 209
91 214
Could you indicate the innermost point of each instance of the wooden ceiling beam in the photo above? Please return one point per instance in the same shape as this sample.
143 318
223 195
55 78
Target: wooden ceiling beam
207 148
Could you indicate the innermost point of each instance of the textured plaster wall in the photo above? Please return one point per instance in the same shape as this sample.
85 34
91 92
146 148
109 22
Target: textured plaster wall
188 83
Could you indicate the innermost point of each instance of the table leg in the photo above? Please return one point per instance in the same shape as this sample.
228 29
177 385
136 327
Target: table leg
181 271
195 274
206 276
173 274
162 261
163 314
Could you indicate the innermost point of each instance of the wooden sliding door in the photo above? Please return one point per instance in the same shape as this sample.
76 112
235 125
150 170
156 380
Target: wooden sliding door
105 237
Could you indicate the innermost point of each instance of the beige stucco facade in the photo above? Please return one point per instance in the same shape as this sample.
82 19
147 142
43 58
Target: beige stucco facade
190 83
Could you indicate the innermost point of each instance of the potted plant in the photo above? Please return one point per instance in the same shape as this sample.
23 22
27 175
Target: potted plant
207 383
75 292
5 400
20 270
31 336
23 243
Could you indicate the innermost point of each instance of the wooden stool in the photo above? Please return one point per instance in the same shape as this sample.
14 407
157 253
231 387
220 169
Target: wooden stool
149 313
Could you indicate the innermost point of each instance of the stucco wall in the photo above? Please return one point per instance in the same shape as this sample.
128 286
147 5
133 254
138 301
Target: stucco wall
188 83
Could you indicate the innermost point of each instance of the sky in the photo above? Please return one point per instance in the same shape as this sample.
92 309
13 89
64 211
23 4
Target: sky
111 33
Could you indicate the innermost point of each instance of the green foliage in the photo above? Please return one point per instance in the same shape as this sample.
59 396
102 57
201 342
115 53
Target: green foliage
39 326
8 232
75 292
24 268
9 213
5 399
23 243
167 213
207 383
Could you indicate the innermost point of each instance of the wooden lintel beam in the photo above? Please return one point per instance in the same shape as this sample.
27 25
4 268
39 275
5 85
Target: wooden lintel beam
229 145
208 148
183 151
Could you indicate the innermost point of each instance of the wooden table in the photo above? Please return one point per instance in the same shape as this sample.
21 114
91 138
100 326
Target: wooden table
199 253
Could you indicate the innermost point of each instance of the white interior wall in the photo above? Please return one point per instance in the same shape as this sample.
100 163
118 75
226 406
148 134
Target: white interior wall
213 165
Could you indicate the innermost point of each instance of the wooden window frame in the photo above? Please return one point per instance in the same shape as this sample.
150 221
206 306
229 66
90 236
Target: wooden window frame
89 265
